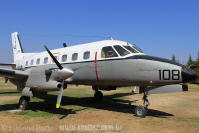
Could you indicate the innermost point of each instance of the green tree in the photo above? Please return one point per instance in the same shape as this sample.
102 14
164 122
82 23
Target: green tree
190 61
173 58
198 56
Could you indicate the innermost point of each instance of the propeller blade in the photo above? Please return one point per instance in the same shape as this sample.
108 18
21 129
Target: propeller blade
53 57
59 98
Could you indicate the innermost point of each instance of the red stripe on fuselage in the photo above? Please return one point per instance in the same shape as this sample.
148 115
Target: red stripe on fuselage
96 66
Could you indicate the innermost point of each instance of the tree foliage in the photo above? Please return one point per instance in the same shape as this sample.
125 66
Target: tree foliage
190 61
198 56
173 58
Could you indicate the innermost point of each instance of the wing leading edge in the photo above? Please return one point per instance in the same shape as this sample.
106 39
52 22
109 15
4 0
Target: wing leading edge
9 73
9 65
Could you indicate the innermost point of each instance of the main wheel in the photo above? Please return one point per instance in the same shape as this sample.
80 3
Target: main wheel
98 96
140 111
23 103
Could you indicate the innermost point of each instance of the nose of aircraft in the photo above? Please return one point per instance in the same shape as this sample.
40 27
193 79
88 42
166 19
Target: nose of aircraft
188 74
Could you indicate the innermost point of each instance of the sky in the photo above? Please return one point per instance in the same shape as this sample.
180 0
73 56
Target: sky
159 27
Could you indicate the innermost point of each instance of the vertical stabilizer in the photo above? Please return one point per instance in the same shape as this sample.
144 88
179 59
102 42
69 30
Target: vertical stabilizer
16 45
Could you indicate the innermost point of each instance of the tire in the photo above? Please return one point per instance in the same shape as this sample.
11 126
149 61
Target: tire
140 111
98 96
23 103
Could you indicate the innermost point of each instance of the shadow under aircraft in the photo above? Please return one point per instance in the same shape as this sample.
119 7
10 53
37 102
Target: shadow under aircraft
110 103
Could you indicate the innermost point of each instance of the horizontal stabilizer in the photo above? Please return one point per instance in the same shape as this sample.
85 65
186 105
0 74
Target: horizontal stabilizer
9 65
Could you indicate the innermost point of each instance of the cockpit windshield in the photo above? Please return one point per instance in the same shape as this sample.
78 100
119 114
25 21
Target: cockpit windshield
121 50
108 52
132 50
137 48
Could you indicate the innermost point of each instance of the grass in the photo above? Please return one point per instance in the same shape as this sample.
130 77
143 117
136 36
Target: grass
193 86
30 113
196 81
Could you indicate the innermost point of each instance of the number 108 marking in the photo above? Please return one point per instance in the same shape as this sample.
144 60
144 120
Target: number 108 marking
169 74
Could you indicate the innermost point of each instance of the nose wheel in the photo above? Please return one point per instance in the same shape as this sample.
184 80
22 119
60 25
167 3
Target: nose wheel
141 111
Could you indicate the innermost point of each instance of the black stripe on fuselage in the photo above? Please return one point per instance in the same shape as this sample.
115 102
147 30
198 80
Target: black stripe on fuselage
153 58
7 72
144 57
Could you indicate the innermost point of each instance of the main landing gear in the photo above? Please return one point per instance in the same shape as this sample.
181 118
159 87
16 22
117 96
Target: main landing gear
141 111
24 102
98 95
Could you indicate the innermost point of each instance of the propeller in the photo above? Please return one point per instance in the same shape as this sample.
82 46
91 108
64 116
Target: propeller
64 73
53 57
59 98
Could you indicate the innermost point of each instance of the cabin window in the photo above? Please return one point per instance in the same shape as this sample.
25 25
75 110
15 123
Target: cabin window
45 60
132 50
74 56
38 61
32 62
26 63
121 50
64 58
108 52
86 55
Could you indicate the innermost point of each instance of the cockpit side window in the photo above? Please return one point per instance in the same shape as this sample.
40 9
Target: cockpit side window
132 50
121 50
108 52
137 48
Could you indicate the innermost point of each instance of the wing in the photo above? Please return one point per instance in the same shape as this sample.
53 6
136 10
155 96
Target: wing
9 73
10 65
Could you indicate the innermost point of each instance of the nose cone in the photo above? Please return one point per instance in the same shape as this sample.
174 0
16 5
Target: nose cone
188 74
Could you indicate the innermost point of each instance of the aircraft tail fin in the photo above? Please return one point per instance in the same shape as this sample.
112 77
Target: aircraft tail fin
16 45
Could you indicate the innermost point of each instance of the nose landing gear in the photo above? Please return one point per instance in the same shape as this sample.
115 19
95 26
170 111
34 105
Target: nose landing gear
141 111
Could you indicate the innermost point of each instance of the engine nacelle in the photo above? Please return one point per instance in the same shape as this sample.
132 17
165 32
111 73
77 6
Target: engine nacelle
27 92
46 86
44 78
57 74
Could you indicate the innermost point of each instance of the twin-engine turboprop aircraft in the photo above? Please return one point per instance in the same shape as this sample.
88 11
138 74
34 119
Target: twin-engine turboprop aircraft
105 65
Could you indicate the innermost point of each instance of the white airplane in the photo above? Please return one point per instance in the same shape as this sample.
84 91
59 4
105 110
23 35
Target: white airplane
104 65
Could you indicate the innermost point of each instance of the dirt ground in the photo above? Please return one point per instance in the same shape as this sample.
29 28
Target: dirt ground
168 113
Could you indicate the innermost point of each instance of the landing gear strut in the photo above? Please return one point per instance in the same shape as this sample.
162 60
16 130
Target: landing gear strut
141 111
98 95
23 102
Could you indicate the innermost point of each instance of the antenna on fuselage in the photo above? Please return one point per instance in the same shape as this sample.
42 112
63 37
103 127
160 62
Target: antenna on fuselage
64 44
111 38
